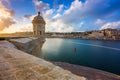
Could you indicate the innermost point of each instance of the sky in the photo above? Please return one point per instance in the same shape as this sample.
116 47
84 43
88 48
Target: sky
60 15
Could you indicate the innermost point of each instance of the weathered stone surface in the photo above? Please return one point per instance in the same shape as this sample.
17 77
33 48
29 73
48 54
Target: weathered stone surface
18 65
7 44
89 73
30 45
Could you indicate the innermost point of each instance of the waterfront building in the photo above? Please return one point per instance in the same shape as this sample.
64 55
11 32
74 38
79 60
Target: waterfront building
112 34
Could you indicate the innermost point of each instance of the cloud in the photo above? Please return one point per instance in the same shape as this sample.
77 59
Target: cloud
56 22
5 1
99 21
60 8
6 17
91 9
40 6
113 25
79 16
27 16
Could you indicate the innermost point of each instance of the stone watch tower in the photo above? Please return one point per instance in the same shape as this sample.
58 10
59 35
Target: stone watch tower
39 28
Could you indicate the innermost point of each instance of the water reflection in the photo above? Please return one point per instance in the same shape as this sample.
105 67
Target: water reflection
104 55
52 45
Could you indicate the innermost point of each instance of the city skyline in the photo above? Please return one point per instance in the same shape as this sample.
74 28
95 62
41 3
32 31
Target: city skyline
60 15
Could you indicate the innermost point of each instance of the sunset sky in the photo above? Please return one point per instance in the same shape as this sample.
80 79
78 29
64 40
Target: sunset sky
60 15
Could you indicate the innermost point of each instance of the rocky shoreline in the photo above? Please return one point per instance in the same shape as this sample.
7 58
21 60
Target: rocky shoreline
89 73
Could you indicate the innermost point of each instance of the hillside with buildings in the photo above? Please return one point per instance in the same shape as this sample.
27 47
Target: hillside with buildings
106 34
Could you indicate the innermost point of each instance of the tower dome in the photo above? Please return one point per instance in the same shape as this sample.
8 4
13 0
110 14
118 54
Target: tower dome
38 19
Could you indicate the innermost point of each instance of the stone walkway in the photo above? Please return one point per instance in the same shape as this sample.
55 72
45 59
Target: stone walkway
18 65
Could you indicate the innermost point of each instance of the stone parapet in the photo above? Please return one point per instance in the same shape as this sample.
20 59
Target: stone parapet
18 65
30 45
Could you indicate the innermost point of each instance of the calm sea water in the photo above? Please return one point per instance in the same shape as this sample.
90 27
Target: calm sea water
104 55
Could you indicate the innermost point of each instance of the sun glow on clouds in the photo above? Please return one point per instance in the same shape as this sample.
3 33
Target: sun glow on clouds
8 24
78 16
6 17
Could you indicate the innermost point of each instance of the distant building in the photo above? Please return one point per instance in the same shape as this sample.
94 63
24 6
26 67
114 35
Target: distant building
112 33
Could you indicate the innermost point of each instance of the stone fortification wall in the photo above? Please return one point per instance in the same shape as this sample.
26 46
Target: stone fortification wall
30 45
18 65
